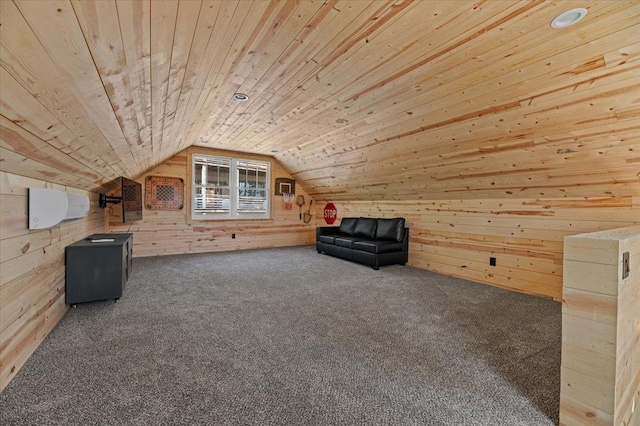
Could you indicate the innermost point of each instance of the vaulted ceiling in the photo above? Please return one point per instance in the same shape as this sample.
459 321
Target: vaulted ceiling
358 99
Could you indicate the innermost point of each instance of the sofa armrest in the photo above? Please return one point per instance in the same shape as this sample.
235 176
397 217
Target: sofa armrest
327 230
405 240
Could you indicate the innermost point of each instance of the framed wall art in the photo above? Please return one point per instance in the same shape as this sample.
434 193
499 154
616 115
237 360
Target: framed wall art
164 193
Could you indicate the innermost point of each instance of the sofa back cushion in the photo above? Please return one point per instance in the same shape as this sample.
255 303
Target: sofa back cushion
390 229
366 227
347 225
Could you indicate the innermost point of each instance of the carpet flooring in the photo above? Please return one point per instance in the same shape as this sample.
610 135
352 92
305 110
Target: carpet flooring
287 336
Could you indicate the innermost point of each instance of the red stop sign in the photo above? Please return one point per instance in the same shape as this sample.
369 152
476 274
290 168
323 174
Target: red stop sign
330 213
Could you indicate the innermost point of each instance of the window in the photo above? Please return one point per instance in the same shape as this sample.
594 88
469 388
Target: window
229 188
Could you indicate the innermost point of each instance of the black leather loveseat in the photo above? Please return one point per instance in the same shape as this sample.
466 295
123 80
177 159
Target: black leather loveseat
370 241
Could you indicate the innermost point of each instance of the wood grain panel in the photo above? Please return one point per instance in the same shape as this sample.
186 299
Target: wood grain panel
457 237
24 109
173 232
101 29
32 263
600 381
56 27
232 30
134 20
366 100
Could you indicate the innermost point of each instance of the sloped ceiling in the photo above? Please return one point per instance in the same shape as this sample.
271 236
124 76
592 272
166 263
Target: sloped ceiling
357 99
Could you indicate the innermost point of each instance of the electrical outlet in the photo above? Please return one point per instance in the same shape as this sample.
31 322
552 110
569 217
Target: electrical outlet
492 261
233 236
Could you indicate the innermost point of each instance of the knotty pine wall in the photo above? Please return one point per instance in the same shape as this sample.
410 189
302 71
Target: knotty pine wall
33 272
457 237
173 232
600 370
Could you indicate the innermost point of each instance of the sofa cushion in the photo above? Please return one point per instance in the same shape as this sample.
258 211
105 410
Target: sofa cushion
390 229
345 242
378 246
329 239
347 225
366 227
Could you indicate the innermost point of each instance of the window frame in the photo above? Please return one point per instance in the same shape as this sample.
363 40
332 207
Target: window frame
234 189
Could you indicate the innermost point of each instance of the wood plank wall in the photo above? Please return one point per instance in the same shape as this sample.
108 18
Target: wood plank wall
32 265
457 237
173 232
600 371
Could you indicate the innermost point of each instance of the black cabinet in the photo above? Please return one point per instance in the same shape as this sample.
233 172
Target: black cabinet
98 267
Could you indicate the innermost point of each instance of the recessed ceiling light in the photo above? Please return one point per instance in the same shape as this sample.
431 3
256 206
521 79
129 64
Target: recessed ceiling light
569 18
240 97
341 121
274 150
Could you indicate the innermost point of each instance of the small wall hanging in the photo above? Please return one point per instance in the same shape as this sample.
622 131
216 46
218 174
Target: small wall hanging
164 193
285 185
307 214
300 202
330 213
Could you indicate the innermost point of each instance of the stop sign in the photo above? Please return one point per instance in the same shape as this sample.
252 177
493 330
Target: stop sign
330 213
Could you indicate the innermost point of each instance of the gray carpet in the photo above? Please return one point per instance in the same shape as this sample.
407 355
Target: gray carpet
291 337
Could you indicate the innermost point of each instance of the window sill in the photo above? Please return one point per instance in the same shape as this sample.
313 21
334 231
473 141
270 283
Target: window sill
228 219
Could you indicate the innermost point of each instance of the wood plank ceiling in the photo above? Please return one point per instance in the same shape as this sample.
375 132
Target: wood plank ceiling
369 99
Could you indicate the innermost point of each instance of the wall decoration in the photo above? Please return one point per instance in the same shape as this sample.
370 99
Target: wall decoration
287 199
330 213
164 193
300 202
307 214
285 185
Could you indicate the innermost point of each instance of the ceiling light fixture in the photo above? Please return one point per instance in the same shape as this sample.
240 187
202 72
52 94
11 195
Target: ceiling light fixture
568 18
240 97
341 121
